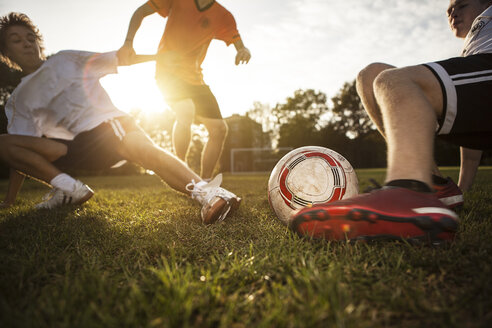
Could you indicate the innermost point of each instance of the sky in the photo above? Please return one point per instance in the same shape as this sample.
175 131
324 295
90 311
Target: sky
295 44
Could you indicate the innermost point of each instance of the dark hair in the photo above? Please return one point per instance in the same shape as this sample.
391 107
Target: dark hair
19 19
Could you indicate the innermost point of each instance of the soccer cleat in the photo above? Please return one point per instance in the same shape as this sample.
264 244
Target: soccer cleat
389 213
216 202
57 197
450 194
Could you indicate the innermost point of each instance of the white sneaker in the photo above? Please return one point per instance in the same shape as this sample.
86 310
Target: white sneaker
57 197
216 202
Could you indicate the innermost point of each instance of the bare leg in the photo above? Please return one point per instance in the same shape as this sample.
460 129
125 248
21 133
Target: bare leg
15 183
182 127
32 155
410 99
217 133
139 148
365 89
470 160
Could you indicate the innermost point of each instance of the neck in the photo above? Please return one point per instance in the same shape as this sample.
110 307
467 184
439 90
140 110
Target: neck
204 3
26 70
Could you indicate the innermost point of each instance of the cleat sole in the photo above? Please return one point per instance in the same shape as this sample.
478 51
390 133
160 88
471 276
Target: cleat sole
319 223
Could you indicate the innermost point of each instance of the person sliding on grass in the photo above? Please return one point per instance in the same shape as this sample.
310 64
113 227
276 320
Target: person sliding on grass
59 116
191 25
454 95
447 191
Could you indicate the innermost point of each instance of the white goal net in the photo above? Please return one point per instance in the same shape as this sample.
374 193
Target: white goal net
256 160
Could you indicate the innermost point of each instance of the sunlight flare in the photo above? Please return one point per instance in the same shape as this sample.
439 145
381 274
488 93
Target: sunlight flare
134 88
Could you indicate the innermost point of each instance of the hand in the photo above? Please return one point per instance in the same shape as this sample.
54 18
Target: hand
243 56
126 55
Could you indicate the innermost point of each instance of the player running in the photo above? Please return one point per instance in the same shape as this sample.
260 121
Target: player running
59 116
191 25
453 95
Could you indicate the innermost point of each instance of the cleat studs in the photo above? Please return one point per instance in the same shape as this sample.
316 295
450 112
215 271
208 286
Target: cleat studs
424 223
373 217
356 215
448 224
346 228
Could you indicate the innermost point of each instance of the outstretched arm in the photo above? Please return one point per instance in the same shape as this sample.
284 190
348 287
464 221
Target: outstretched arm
470 160
243 55
126 54
15 183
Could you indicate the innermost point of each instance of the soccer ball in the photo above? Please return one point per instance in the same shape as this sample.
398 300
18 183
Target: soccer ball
307 176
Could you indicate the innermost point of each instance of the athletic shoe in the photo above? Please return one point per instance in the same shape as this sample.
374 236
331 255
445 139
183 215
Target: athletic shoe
388 213
450 194
57 197
216 202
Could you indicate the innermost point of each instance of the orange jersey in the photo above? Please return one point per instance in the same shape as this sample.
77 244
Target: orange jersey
188 34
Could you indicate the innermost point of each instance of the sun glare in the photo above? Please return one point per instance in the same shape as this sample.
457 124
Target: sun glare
134 88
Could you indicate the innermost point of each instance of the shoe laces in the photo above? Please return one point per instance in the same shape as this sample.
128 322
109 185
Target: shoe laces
195 190
50 194
375 186
205 192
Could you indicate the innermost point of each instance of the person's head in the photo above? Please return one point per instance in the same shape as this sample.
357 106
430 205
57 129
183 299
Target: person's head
462 13
21 43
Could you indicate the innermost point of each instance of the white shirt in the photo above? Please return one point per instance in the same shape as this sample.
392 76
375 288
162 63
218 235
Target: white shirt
63 97
479 38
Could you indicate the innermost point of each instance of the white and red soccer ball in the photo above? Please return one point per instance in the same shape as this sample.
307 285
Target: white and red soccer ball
307 176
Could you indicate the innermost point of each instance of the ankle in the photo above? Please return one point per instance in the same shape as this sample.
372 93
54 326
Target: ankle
414 185
438 180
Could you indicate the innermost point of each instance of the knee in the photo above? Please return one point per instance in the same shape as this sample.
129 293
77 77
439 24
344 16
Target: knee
386 81
56 151
6 146
397 80
368 74
9 149
4 140
219 130
184 120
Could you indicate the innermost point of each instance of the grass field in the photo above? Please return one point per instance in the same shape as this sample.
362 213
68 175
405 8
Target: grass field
136 255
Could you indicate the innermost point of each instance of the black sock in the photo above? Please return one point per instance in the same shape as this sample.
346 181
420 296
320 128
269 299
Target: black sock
438 180
414 185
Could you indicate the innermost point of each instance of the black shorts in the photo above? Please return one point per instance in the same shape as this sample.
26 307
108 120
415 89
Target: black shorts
96 149
175 89
466 84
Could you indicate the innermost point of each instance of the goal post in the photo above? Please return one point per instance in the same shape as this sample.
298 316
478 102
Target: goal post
256 160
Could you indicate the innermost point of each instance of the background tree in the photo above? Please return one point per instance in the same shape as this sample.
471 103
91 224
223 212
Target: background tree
349 115
308 104
299 131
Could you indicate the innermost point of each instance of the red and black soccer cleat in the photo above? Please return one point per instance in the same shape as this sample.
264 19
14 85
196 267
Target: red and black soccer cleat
389 213
450 194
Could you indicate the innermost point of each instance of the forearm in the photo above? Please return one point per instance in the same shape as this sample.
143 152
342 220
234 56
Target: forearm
15 183
135 23
470 160
239 45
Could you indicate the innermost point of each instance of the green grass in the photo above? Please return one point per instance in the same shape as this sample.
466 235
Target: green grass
136 255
